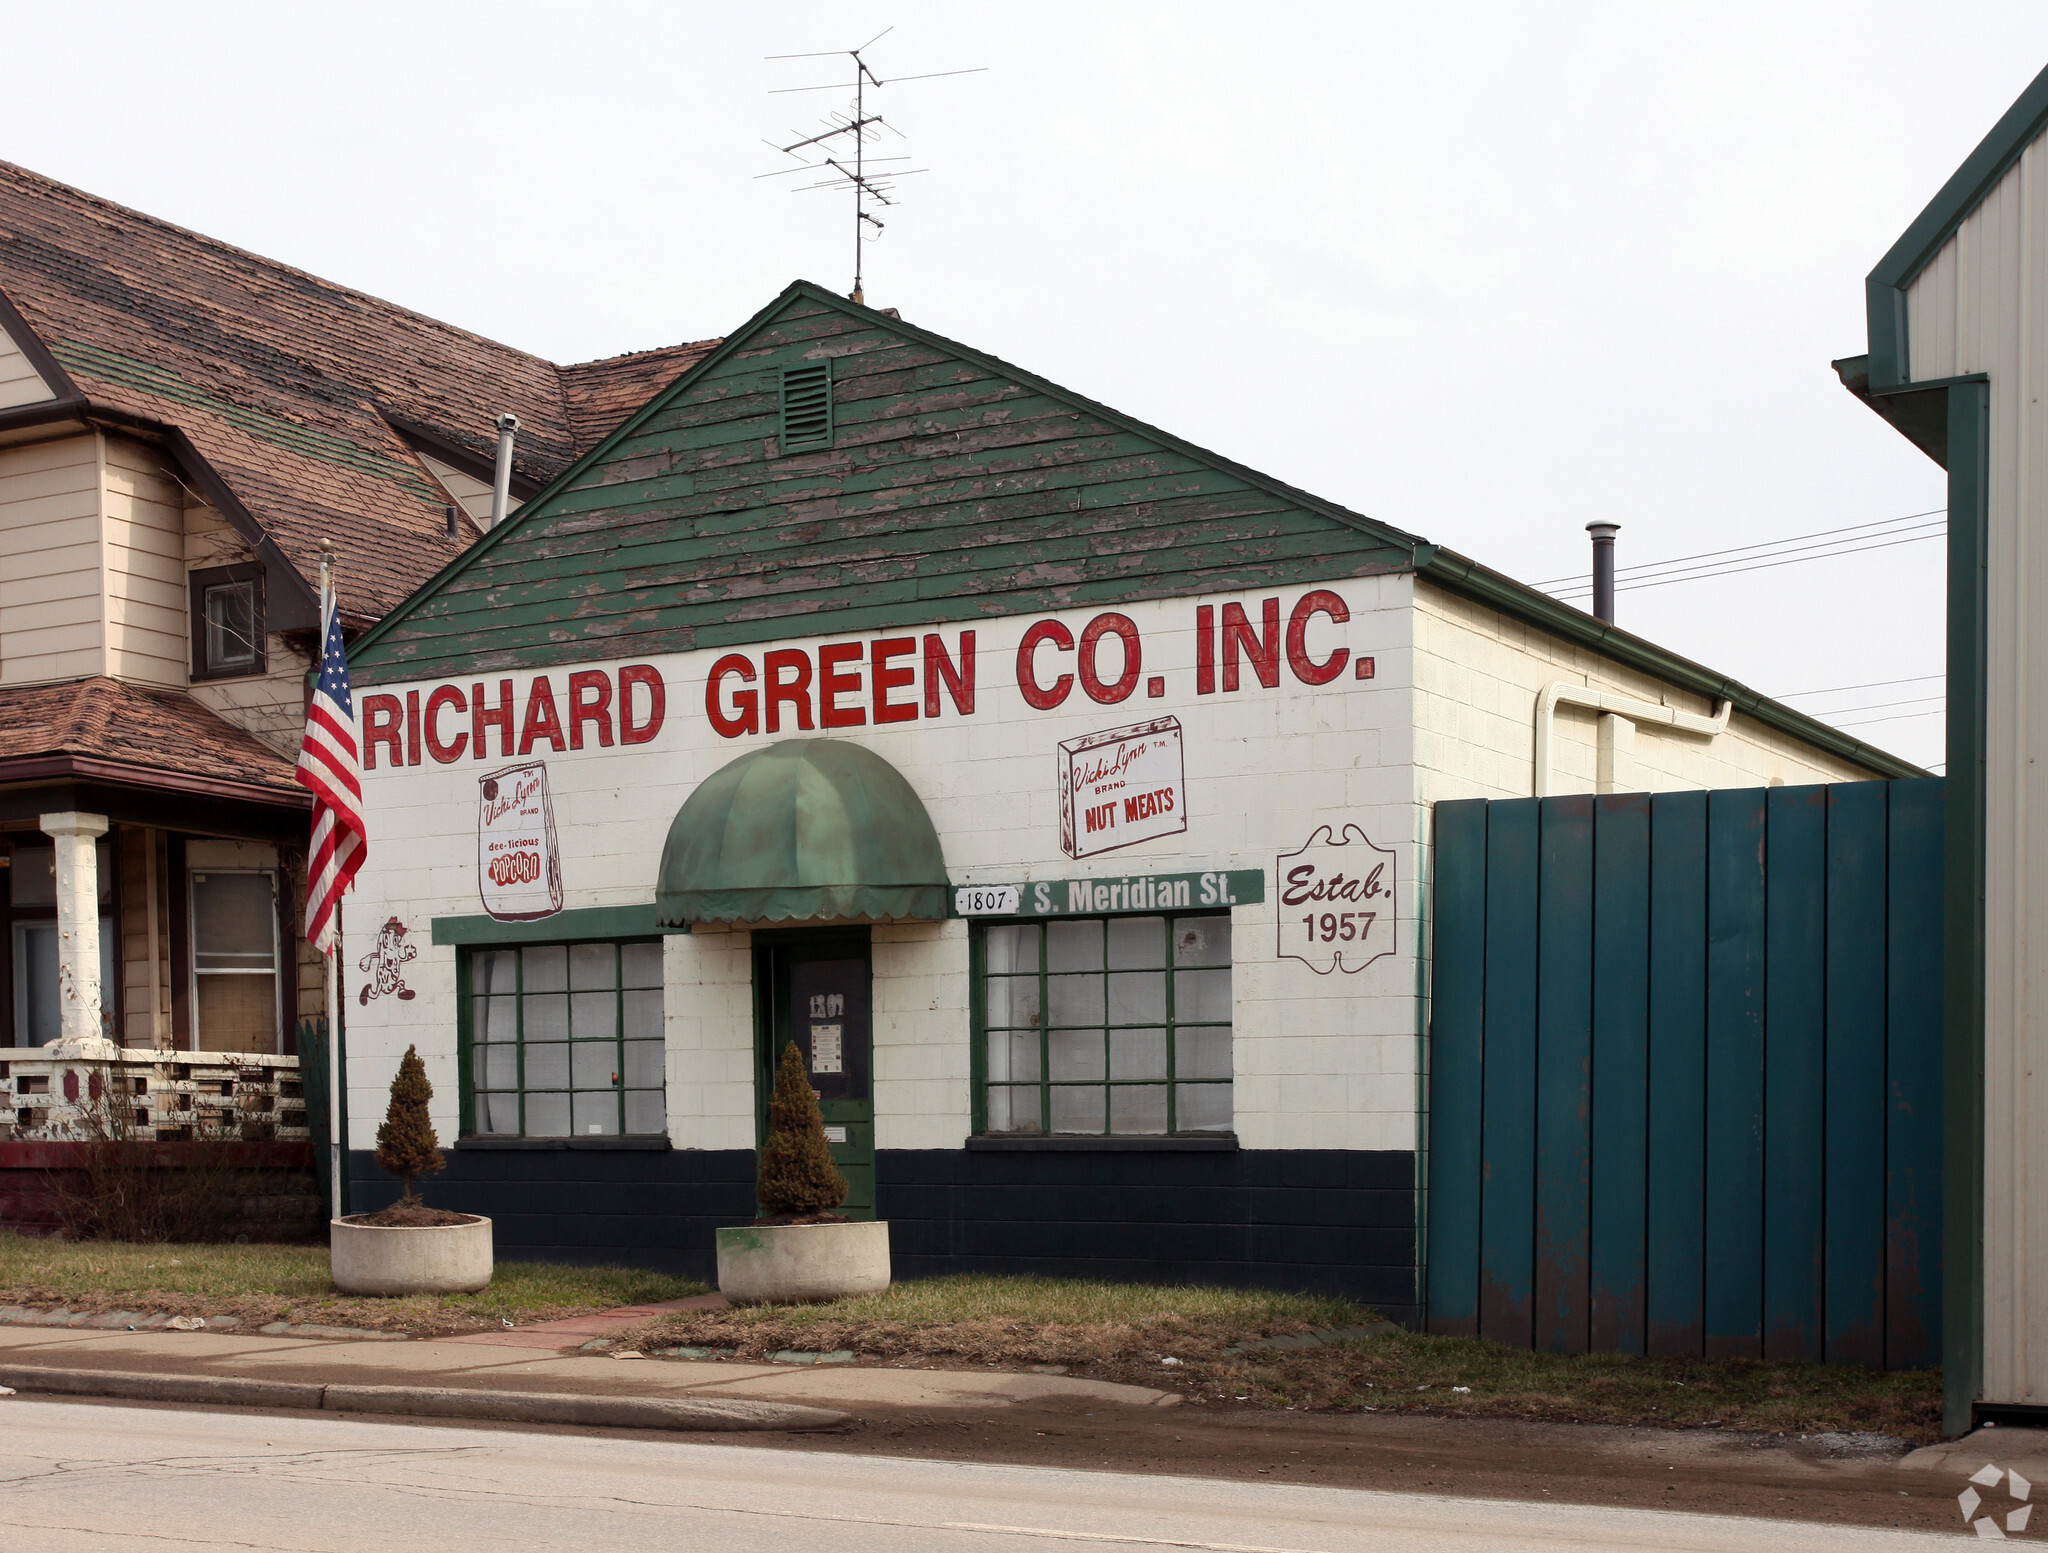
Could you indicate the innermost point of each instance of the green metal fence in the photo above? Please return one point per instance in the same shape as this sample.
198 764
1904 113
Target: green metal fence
1685 1073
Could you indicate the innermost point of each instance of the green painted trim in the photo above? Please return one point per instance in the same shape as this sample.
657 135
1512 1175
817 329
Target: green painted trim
1884 290
583 924
362 653
1470 580
1962 1214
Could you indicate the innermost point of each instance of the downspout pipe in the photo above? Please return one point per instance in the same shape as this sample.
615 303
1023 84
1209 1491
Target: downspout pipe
501 489
1614 704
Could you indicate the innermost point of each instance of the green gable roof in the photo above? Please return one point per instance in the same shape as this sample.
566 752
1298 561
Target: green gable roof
956 487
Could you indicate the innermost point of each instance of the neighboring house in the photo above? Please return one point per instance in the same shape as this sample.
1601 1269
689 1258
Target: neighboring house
181 424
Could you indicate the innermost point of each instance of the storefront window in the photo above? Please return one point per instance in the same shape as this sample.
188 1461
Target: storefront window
1107 1025
565 1040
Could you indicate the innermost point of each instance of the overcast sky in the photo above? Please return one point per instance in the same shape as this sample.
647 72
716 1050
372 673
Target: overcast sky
1486 273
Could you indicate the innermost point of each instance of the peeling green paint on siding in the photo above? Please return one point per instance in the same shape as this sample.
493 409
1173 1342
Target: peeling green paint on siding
955 488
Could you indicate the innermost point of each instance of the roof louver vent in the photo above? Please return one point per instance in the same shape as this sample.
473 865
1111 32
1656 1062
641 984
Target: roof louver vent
807 406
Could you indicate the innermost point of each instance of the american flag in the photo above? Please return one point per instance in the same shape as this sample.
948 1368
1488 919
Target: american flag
331 765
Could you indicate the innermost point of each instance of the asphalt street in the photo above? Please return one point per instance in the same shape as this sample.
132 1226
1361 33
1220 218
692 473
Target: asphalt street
87 1478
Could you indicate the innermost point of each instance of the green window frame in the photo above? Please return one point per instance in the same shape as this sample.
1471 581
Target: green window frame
562 1040
1115 1026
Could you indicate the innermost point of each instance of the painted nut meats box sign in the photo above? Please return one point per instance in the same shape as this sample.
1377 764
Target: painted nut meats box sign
518 865
1122 787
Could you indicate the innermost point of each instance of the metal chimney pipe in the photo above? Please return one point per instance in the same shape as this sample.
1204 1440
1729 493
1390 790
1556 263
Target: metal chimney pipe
1603 569
501 491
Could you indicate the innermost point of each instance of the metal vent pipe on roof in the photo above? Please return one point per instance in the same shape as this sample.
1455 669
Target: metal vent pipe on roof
1603 569
501 490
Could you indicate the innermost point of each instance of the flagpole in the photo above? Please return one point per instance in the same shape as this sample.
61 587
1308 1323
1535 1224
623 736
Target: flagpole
334 1117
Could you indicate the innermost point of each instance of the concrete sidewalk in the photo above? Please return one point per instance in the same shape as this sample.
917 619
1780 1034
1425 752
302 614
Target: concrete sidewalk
474 1365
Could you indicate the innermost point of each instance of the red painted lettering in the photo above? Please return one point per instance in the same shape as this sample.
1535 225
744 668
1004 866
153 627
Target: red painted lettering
412 727
1205 649
649 677
1123 630
590 701
482 717
885 679
939 670
832 684
383 718
796 691
542 720
745 716
442 750
1262 650
1318 602
1027 680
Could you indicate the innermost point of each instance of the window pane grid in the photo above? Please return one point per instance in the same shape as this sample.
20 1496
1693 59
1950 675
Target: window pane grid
1104 999
566 1040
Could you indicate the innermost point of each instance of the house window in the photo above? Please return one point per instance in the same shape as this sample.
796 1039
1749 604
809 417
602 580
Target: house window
234 961
32 926
565 1040
1106 1025
227 621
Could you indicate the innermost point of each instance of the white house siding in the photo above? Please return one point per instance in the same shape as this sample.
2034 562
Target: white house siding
143 521
472 495
52 622
20 384
1322 1061
1982 306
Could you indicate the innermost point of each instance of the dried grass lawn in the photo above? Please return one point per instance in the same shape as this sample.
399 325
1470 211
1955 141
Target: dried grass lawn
1127 1331
290 1283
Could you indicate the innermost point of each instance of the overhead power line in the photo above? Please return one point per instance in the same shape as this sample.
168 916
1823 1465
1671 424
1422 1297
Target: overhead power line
1875 684
1824 544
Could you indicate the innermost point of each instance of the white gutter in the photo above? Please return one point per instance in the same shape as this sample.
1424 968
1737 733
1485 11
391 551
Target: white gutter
1614 704
501 491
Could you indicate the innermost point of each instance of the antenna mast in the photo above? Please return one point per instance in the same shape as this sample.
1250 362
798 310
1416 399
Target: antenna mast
877 188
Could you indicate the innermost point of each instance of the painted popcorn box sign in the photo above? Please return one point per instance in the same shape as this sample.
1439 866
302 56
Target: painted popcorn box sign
518 865
1336 901
1122 787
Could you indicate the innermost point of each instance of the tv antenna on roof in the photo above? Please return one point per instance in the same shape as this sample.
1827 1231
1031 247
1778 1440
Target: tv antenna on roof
846 164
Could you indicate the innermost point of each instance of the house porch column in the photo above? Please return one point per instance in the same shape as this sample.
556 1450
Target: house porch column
80 1031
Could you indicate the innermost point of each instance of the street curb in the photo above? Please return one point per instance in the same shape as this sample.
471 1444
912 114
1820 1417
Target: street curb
527 1407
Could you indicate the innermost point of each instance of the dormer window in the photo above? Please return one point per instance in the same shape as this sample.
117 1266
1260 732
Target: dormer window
227 621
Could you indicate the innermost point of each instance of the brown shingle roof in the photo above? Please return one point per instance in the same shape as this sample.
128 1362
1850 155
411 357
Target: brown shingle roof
280 379
111 720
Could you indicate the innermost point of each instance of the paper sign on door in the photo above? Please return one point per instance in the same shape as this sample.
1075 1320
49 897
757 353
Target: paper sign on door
518 866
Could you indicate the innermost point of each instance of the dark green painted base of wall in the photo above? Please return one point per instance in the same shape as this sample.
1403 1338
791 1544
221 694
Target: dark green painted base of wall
1325 1220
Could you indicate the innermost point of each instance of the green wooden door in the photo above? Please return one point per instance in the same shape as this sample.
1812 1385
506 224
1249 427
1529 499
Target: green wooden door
812 987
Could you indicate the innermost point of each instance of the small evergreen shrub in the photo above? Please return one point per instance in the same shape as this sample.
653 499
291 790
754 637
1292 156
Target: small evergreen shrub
798 1178
406 1145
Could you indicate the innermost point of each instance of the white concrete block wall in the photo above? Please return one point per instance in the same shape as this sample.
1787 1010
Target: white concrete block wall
1265 767
922 1063
1321 1061
708 1009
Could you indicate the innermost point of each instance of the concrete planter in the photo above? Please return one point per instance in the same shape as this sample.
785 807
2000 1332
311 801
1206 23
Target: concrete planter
433 1259
784 1263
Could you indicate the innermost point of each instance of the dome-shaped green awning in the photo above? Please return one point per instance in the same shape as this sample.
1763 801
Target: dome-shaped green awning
804 830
